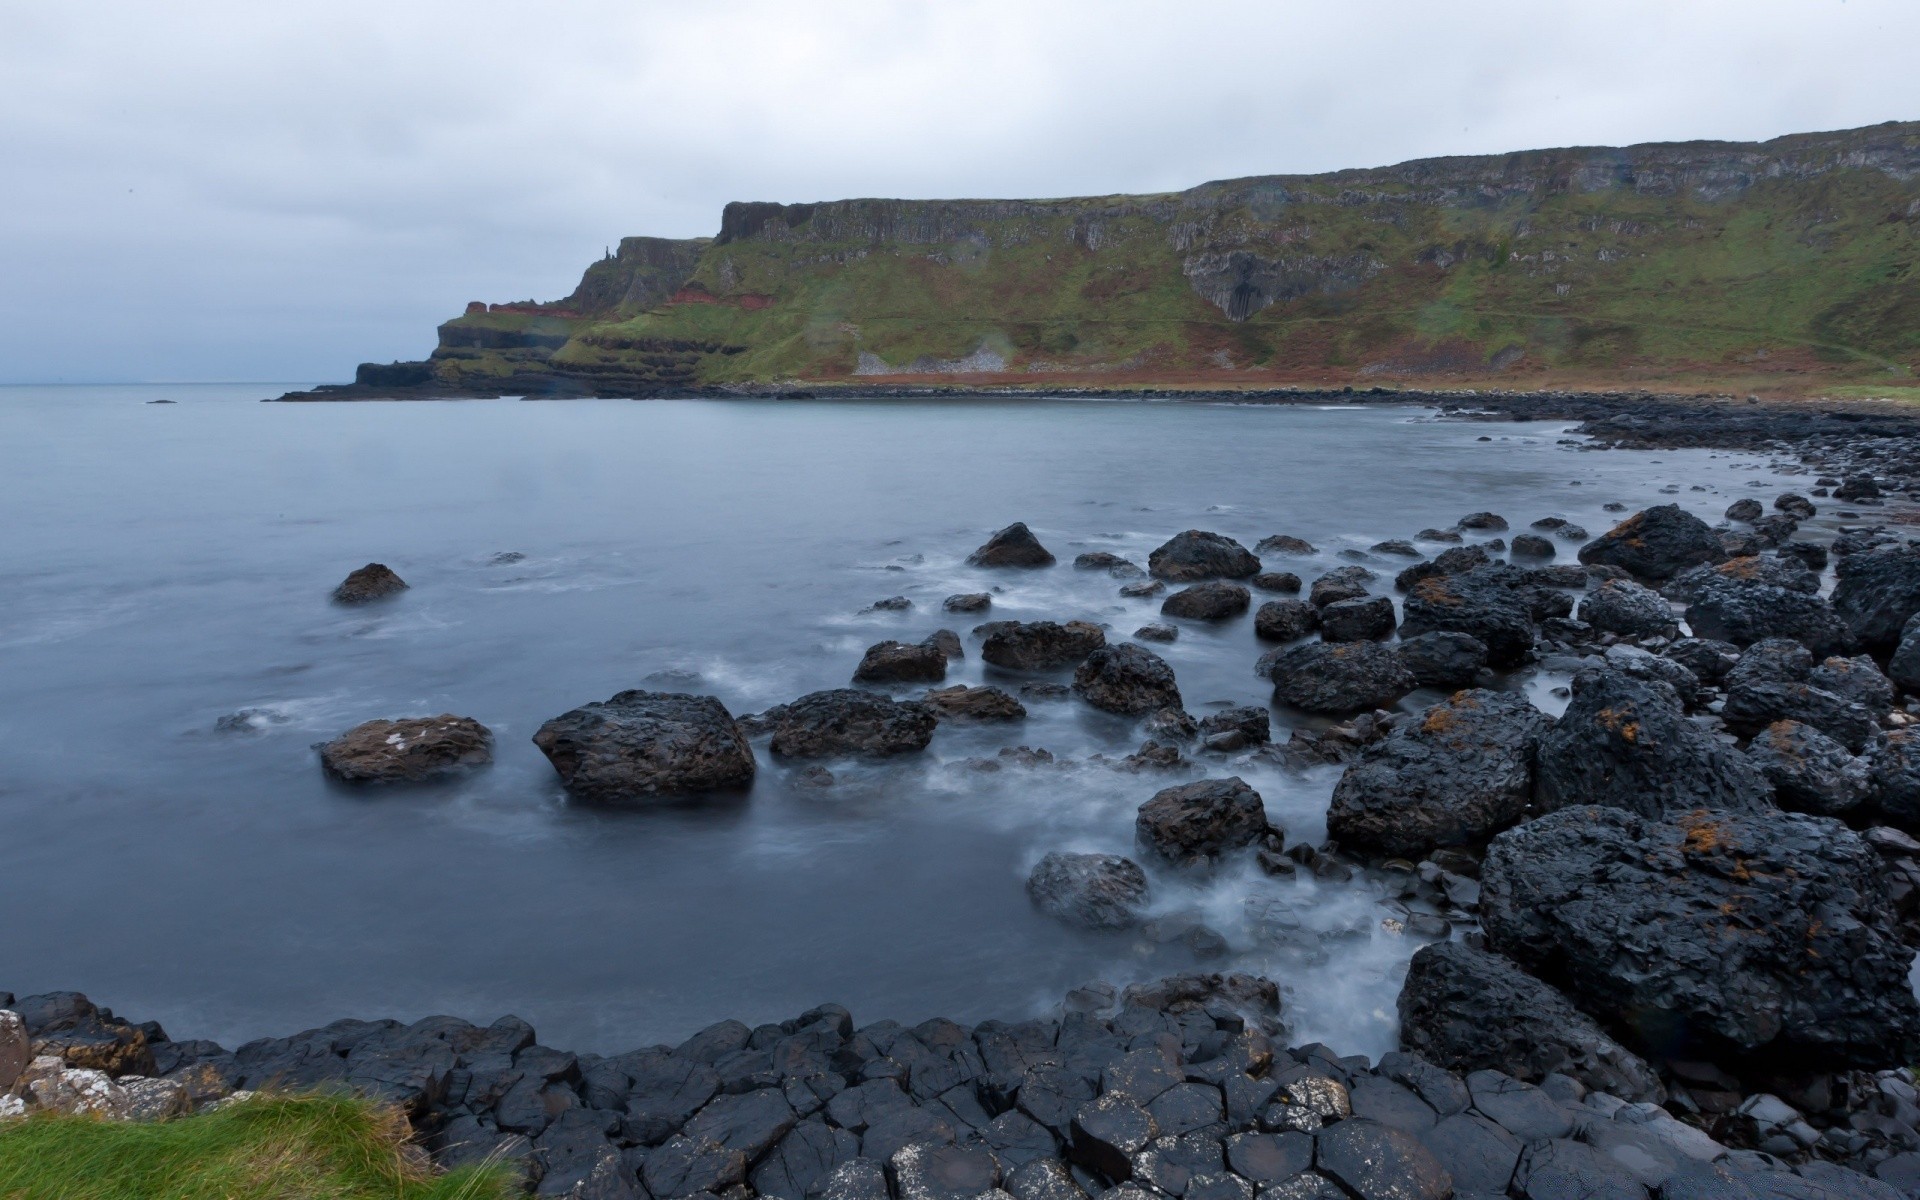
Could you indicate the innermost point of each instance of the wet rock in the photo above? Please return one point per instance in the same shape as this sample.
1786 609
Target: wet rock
1795 505
1096 891
1711 932
1904 667
1856 488
1155 631
1143 589
1014 546
1378 1162
1709 660
947 642
1810 555
1286 544
665 1089
890 604
1044 1179
1196 555
1438 535
1561 1167
848 721
967 602
1746 600
1893 778
1810 772
1443 659
1369 619
1456 561
1250 726
1215 601
855 1179
901 662
1752 705
640 745
1643 664
407 750
1108 1132
1627 743
1622 607
1196 824
1656 543
375 581
1268 1158
950 1172
1478 1154
1126 679
1532 545
1856 679
1341 583
1113 564
683 1167
1483 602
1745 509
1398 547
1877 594
965 705
804 1158
1340 679
1455 775
1467 1010
1285 620
1040 645
1284 582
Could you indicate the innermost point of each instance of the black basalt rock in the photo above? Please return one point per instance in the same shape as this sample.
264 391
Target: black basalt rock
852 722
638 746
1126 679
1195 824
1014 546
1197 554
1040 645
1096 891
1340 679
1657 543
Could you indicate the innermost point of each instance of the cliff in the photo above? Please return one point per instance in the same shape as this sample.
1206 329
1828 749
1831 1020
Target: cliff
1785 265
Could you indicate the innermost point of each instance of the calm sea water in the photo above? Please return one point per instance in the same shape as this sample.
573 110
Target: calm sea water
167 565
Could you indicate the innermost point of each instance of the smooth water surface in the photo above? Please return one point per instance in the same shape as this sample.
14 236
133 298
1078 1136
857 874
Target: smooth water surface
165 566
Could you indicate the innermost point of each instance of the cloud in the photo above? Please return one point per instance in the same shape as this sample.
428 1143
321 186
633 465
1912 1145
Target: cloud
236 190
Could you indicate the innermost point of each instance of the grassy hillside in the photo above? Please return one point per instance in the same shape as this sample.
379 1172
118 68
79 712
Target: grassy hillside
1783 266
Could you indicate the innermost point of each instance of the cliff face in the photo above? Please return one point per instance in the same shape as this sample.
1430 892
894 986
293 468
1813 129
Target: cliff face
1791 260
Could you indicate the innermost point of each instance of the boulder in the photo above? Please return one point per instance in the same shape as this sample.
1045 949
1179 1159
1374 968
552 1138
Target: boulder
1281 543
1532 545
1040 645
1213 601
1157 631
1236 728
1809 771
1746 600
1644 664
1456 561
1341 583
1196 555
1753 705
1877 594
408 750
1126 679
1657 543
1096 891
375 581
1710 933
965 705
1443 659
639 746
1370 619
1708 659
1627 743
1285 620
1284 582
1904 667
1014 546
1196 824
1489 521
1857 680
1112 564
902 662
1795 505
1340 679
1489 603
1398 547
1459 773
1626 608
848 721
1893 778
968 602
1745 509
1378 1162
16 1049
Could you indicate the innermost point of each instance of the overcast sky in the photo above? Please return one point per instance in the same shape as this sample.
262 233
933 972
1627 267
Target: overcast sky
230 189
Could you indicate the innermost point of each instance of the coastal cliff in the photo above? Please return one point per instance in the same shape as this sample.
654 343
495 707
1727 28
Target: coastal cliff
1784 266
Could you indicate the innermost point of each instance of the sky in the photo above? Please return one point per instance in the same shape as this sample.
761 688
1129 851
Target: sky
229 190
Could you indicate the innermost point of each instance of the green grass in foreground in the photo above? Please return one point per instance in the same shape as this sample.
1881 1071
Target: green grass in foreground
269 1148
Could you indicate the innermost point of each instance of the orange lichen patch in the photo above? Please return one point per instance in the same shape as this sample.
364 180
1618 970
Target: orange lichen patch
1434 589
1745 567
1704 834
1619 722
1439 720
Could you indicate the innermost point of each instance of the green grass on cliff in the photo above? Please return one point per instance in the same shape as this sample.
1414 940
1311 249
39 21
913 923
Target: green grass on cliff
269 1148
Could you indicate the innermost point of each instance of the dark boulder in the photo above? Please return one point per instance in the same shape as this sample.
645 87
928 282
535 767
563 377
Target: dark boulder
1097 891
1196 824
1250 726
1040 645
1809 771
1340 679
901 662
641 745
1370 619
968 602
848 721
1014 546
375 581
1284 582
1857 487
1795 505
1877 594
1746 509
1214 601
1126 679
1626 608
407 750
1456 561
1457 774
1378 1162
1281 543
1341 583
1657 543
1112 564
1708 659
1196 555
1444 660
1753 705
1746 600
1489 603
1492 522
1285 620
1532 545
1710 933
1467 1010
965 705
1893 778
1627 743
1857 679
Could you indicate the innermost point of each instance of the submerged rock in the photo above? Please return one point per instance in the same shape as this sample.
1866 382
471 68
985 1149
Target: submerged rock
970 705
968 602
639 746
1196 824
1285 620
1214 601
1126 679
375 581
1284 582
1287 544
1014 546
408 750
849 721
1339 679
1657 543
902 662
1532 545
1196 555
1097 891
1341 583
1040 645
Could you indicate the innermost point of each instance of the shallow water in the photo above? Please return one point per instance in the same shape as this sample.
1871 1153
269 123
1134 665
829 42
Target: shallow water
165 566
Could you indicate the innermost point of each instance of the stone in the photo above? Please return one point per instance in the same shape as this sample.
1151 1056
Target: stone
1281 543
1749 599
1467 1010
1196 555
682 1167
1626 608
375 581
1443 659
750 1122
1014 546
967 602
901 662
77 1091
943 1172
1285 620
1893 778
407 750
1903 668
1142 589
1095 891
1112 564
1369 619
1752 705
1656 543
1341 583
1108 1132
845 721
1454 776
1711 932
1877 594
855 1179
1809 771
1285 582
1269 1157
1040 645
1378 1162
1490 522
1197 824
1044 1179
1532 545
965 705
1745 509
1251 726
16 1049
665 1089
639 746
1157 631
1487 603
889 604
1478 1154
1215 600
1627 743
1390 1103
1126 679
1340 679
1856 679
1562 1167
1708 660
